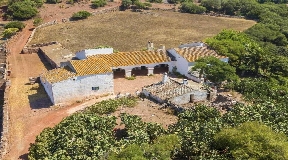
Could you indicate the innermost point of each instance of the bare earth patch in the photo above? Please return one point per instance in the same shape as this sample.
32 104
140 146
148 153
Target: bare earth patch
149 112
130 31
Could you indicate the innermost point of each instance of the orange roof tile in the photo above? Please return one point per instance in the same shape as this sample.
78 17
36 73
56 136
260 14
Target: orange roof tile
90 66
133 58
193 53
58 74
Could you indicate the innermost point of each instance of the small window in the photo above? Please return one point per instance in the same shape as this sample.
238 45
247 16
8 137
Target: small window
95 88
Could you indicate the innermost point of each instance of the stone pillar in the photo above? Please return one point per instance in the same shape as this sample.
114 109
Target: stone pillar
128 72
150 71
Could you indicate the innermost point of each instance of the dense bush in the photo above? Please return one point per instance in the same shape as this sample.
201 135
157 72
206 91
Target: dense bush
81 15
252 140
189 7
15 24
7 33
98 3
22 9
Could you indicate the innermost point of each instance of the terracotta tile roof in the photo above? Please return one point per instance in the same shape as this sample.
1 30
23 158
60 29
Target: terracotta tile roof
58 74
90 66
133 58
193 53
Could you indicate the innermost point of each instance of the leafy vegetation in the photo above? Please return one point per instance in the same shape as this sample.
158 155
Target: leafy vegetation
7 33
110 106
81 15
252 140
98 3
15 24
22 9
216 70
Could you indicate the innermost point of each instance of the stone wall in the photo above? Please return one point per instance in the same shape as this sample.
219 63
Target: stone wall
40 26
5 83
34 48
5 126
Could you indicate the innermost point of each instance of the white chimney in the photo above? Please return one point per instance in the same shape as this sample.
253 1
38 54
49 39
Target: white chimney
185 81
162 47
165 78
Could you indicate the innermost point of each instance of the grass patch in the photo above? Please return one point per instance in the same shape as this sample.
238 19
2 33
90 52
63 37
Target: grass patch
130 31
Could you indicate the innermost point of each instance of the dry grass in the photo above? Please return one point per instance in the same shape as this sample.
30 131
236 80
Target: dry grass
128 31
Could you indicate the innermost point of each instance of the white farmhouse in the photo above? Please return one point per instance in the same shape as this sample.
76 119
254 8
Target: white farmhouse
184 59
77 80
93 74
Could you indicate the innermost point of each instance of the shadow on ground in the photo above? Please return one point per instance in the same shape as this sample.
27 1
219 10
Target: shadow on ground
44 61
24 156
40 99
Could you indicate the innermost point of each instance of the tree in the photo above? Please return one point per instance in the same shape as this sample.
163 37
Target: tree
161 148
81 15
244 53
15 24
23 9
230 7
252 140
189 7
211 5
216 70
126 3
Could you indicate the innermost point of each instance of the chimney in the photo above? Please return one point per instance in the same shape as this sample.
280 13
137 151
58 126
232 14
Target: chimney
162 47
165 78
150 46
185 81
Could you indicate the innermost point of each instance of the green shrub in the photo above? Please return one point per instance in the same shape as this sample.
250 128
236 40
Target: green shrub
53 1
22 9
37 21
15 24
81 15
7 33
98 3
131 78
189 7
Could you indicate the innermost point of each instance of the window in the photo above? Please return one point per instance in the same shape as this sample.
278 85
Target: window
95 88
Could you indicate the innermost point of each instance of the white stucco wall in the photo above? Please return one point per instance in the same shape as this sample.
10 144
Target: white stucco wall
185 98
181 63
71 90
48 88
89 52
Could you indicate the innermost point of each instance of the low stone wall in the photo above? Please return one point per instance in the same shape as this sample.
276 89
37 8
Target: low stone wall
34 48
4 141
5 124
222 15
107 10
40 26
